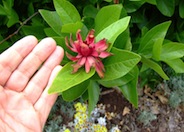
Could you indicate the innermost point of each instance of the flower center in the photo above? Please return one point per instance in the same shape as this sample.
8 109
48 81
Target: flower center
86 50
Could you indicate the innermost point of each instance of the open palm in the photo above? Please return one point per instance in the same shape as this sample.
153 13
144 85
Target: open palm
26 72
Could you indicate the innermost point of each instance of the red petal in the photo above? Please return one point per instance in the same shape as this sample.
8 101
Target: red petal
71 57
90 37
101 45
85 50
104 54
78 36
82 61
94 53
99 67
87 66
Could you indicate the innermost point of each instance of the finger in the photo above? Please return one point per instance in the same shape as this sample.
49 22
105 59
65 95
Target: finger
20 77
37 84
11 58
46 101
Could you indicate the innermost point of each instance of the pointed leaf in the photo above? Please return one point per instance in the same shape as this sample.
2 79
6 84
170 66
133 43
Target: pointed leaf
93 93
153 65
106 16
53 20
166 7
71 27
114 30
117 82
148 40
129 90
66 80
120 63
172 51
177 65
75 92
67 12
157 49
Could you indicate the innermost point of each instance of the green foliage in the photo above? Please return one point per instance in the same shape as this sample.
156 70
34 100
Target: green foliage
144 36
66 80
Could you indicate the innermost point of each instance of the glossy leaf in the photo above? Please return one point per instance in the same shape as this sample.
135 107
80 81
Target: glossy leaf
93 93
117 82
53 20
129 90
66 80
166 7
71 27
157 49
120 63
172 51
50 32
67 12
153 65
106 16
75 92
148 40
114 30
177 65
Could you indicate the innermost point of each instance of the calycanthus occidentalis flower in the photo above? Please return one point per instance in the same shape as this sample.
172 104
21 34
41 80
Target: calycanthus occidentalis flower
89 53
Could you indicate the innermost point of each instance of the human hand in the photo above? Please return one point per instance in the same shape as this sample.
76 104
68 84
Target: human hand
27 70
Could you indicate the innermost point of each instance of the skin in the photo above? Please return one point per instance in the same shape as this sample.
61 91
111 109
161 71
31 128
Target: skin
27 70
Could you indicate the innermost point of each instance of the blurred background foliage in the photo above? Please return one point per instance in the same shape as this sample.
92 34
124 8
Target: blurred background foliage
19 18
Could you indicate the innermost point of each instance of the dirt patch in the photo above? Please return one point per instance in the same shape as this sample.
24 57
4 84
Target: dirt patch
151 116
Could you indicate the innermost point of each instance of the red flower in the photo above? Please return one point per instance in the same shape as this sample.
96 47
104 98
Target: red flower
89 53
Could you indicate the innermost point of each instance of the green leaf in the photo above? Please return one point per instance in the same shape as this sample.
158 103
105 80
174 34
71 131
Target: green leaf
153 65
90 11
129 90
117 82
113 31
181 9
75 92
66 80
166 7
71 27
148 40
13 18
157 49
53 20
119 64
4 45
132 6
67 12
123 41
153 2
8 4
34 30
105 17
2 10
176 64
93 93
50 32
172 50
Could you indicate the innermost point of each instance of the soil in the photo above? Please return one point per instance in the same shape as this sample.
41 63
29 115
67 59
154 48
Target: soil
167 119
154 114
